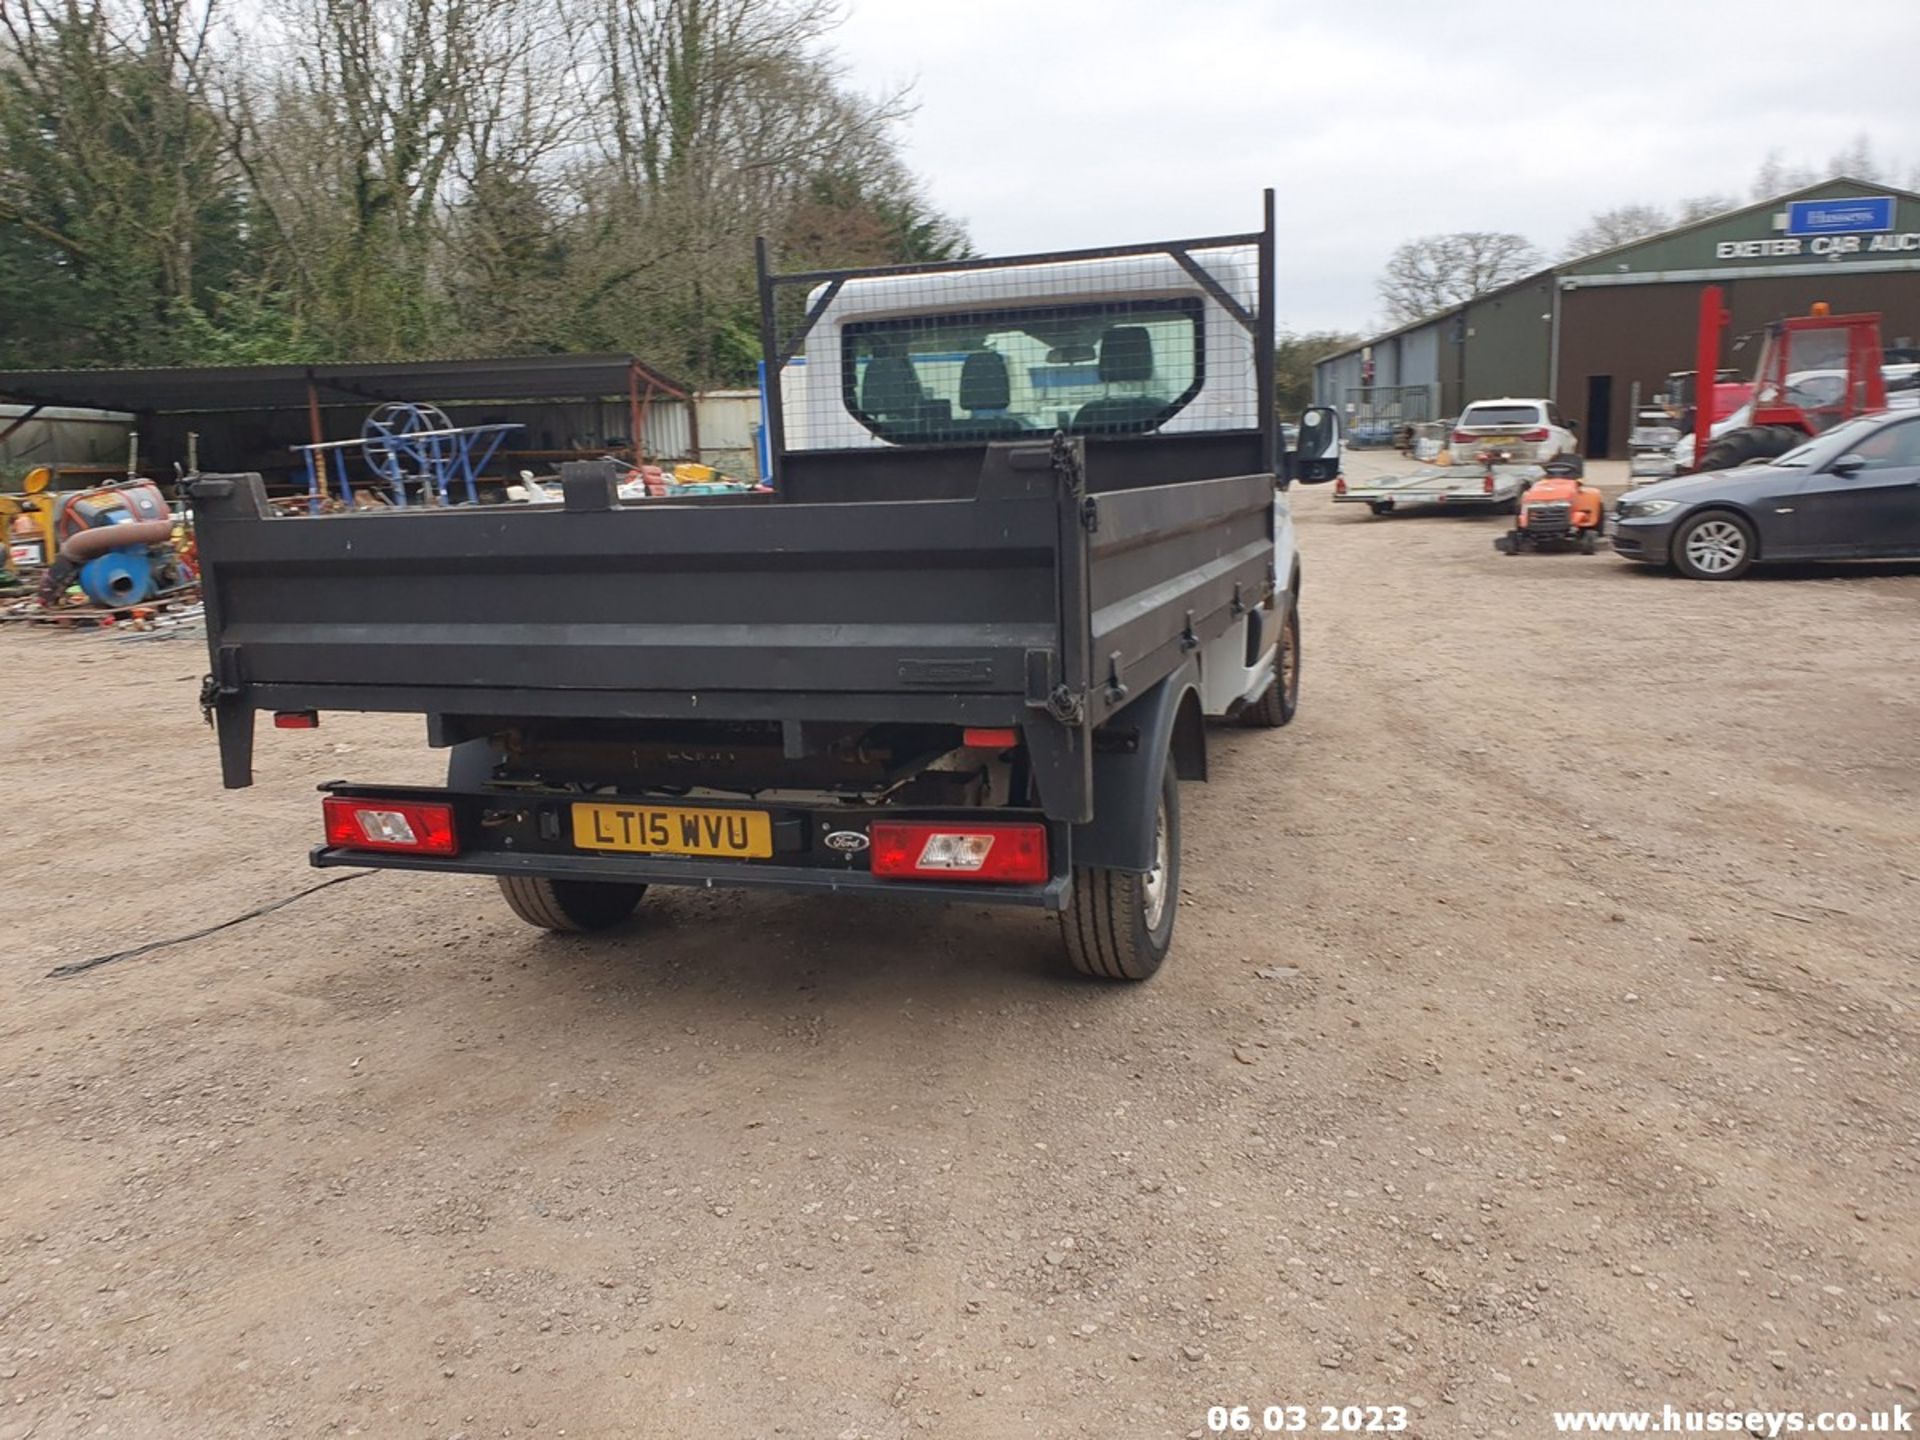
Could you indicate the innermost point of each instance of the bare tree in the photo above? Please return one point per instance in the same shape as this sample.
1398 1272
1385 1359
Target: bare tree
1433 272
391 177
1777 176
1704 207
1607 229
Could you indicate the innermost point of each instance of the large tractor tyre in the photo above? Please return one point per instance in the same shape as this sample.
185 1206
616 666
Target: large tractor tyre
570 906
1749 446
1714 545
1119 925
1281 698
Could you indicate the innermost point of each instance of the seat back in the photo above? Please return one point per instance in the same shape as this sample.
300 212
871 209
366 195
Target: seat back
890 386
984 383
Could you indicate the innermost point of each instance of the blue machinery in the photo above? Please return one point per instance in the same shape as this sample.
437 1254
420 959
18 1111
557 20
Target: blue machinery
402 444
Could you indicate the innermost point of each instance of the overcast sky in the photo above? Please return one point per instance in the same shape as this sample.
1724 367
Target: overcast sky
1057 123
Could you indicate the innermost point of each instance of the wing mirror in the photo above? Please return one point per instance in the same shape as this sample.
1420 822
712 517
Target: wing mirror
1848 465
1318 451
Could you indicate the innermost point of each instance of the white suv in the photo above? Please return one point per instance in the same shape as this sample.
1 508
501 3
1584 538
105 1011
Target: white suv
1530 430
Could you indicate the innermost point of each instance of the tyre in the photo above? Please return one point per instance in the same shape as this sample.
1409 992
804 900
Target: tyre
1749 446
1510 506
1281 698
1119 924
1714 545
1380 507
570 905
1589 541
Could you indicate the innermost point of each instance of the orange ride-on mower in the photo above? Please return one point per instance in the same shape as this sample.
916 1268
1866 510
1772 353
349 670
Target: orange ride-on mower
1559 511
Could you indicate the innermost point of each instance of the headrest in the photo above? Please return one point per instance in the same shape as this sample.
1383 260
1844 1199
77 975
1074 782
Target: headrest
1126 353
983 382
890 386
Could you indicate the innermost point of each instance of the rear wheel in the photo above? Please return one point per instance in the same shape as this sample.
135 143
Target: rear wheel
1380 507
1281 698
1717 545
1749 446
1119 925
570 905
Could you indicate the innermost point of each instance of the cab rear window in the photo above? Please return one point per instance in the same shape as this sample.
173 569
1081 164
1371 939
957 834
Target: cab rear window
1482 415
1119 367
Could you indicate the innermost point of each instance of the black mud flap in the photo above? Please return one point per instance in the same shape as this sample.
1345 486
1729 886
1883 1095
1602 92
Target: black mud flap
1130 756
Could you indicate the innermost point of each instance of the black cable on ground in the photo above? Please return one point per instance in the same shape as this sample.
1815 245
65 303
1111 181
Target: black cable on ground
80 967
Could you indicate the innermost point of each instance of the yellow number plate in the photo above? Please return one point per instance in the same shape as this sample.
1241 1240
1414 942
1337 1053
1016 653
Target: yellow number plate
674 830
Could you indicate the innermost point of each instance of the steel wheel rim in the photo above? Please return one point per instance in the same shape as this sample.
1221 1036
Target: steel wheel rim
1154 884
1716 546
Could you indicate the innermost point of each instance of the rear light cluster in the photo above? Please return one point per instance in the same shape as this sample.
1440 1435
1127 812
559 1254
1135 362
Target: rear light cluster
390 825
1486 485
1013 854
1462 437
1535 436
1340 485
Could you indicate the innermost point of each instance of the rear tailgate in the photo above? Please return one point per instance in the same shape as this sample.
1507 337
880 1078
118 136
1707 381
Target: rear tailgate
1026 603
891 610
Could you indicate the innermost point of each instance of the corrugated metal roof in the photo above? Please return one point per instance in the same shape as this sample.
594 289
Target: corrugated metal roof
198 388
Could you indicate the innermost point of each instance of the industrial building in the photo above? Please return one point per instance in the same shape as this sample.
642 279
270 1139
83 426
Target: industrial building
1586 332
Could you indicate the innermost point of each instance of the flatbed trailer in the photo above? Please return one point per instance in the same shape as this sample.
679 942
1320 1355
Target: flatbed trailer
1457 487
970 659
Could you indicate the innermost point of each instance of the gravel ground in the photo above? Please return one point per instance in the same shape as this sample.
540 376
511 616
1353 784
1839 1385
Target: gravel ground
1541 1032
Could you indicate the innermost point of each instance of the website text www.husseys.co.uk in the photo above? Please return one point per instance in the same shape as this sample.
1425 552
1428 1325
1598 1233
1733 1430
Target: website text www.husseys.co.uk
1770 1423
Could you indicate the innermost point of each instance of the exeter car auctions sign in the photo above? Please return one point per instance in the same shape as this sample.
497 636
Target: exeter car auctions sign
1858 227
1840 217
1830 246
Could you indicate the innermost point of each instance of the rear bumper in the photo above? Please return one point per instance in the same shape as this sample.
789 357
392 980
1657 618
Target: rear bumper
508 832
703 874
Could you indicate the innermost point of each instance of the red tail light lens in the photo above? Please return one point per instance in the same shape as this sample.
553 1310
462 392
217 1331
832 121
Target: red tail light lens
1486 486
1535 435
1340 485
398 825
960 850
1461 437
296 720
980 737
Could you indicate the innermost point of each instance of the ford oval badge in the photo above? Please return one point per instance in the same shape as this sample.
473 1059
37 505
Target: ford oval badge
847 842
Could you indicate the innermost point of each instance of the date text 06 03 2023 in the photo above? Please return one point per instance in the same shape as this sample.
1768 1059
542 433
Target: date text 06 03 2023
1305 1419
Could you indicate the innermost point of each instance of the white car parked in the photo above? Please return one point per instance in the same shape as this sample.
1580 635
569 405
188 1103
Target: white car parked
1530 430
